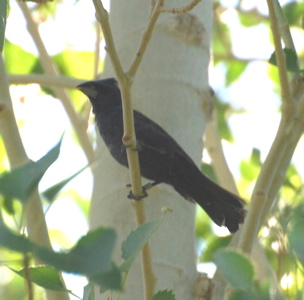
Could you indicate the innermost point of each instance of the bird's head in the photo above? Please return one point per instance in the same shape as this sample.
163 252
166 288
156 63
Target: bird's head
103 94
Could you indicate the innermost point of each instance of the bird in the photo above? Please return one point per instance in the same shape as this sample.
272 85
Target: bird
161 158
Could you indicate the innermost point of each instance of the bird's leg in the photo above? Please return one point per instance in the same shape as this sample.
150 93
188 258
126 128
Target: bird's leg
150 185
146 187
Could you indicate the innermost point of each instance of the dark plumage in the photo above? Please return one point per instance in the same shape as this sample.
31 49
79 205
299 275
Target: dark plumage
161 159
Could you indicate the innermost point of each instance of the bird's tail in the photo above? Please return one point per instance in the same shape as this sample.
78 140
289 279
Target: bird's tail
223 207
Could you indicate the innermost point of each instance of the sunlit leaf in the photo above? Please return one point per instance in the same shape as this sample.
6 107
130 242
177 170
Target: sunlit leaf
250 18
19 61
75 63
235 69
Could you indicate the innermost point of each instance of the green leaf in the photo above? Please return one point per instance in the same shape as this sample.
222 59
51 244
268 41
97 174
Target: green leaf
164 295
291 60
134 243
296 240
256 157
235 268
213 245
51 193
20 182
110 279
250 18
247 171
235 69
44 276
91 255
208 170
18 61
75 63
3 13
293 12
12 241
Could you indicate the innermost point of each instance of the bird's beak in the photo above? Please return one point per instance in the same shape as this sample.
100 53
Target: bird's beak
87 89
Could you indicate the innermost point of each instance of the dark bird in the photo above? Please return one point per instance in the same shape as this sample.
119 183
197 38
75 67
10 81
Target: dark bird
161 159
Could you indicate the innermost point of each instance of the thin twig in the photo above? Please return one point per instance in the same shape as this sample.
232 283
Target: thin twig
145 38
45 80
287 104
103 19
181 10
27 276
97 51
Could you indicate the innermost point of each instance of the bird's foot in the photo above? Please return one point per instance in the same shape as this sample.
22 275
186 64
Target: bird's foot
137 198
146 187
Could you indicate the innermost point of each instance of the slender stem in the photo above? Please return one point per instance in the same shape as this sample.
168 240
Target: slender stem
146 259
45 80
27 276
103 18
146 37
287 103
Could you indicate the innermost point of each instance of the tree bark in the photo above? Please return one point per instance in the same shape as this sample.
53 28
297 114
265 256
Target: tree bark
171 87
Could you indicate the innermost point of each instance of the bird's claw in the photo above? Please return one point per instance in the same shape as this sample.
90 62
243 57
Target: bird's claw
146 187
137 198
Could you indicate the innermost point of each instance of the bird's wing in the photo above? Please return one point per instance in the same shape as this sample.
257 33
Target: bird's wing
152 136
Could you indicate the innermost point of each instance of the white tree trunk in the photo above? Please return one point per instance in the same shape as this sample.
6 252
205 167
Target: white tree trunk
171 87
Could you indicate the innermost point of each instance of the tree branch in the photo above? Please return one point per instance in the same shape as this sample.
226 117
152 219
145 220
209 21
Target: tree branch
45 80
280 154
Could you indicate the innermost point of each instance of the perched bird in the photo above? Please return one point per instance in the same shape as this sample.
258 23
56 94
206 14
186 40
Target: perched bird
161 159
